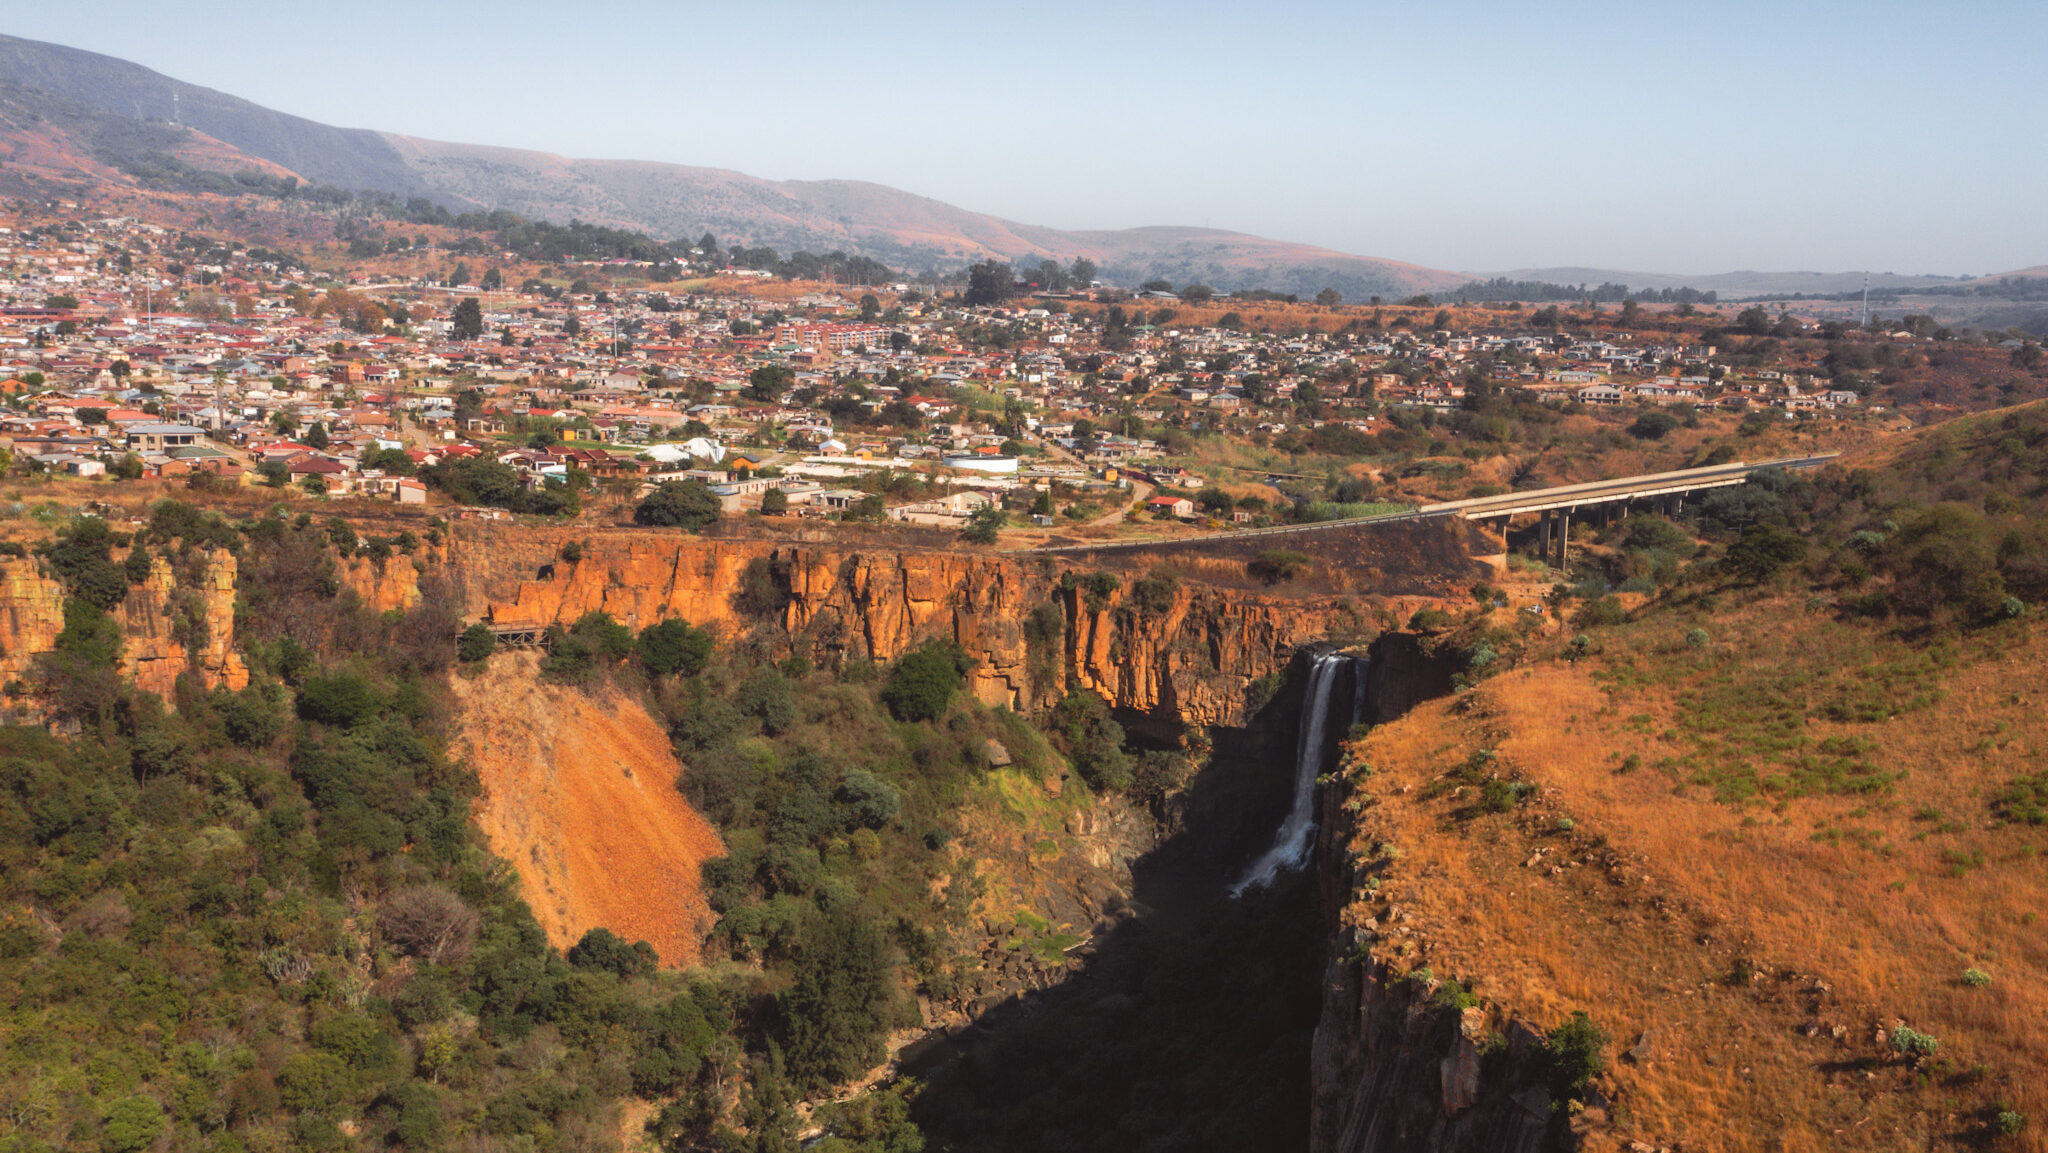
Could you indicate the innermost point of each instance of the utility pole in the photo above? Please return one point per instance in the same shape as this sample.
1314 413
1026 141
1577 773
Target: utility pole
1864 321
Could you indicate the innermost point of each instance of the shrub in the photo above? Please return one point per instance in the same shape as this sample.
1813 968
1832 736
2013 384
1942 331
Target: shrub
605 950
90 635
925 680
1976 978
674 646
477 643
684 504
1652 425
1092 741
985 526
1577 1055
1761 552
133 1124
429 922
1276 565
762 592
1605 610
1913 1043
870 801
1153 595
770 696
80 558
341 699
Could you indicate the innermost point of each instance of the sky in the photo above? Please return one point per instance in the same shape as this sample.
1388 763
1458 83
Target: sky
1473 135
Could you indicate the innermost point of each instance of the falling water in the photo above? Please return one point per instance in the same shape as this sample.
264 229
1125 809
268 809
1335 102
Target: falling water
1297 832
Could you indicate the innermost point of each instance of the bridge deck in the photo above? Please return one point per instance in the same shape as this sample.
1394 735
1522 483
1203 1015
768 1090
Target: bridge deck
1570 496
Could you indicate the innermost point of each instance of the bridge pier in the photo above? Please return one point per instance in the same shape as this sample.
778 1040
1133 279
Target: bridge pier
1564 538
1543 536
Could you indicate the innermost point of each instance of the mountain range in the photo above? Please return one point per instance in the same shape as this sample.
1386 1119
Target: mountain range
117 116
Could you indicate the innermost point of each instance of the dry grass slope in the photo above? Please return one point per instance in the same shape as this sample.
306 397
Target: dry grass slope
1764 944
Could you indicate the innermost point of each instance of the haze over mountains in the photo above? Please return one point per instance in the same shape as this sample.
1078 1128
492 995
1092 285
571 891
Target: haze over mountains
121 112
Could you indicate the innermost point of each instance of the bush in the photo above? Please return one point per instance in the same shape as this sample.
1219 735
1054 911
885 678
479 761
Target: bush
1976 978
1761 552
770 696
605 950
1577 1055
430 923
762 592
1275 565
1913 1043
684 504
340 699
477 643
985 526
924 681
1092 741
674 646
1605 610
1652 425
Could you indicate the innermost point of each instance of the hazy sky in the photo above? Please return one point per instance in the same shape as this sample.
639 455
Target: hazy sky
1646 135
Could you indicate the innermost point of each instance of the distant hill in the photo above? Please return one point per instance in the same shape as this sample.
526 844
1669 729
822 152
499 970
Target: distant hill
1732 285
139 111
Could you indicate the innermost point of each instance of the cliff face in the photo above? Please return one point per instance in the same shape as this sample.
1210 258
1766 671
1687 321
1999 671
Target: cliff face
169 626
1186 653
1393 1067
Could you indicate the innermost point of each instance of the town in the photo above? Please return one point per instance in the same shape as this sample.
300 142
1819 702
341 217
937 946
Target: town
131 350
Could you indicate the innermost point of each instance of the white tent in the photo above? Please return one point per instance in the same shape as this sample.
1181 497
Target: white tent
701 446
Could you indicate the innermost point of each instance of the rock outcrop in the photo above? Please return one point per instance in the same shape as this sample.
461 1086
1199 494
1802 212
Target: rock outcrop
170 626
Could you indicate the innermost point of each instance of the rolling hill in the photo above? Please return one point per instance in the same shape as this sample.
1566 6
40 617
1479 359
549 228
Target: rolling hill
122 112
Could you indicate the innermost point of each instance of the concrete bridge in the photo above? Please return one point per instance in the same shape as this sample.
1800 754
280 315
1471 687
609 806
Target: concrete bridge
1554 506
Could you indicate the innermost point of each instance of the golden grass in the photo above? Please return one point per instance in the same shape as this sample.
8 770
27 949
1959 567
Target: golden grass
1641 912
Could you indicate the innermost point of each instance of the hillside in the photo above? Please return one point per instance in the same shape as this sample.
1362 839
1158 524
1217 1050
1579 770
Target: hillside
670 200
1775 828
579 794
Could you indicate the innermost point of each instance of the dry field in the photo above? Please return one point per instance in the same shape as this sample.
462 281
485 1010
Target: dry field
1764 899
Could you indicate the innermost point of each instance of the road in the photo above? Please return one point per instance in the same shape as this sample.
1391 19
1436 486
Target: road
1507 504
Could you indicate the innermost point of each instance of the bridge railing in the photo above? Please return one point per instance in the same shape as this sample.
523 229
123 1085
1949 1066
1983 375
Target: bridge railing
1535 500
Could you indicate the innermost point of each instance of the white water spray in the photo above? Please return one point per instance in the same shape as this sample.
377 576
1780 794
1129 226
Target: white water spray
1297 832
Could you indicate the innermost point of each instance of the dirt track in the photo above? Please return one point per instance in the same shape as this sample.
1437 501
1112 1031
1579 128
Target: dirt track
579 794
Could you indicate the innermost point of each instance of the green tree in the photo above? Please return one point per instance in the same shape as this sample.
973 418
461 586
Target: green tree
1577 1055
685 504
1083 271
1652 425
924 681
316 436
767 383
1329 298
1092 740
870 307
1761 552
133 1124
602 949
468 319
675 646
477 643
774 502
990 282
985 526
838 1010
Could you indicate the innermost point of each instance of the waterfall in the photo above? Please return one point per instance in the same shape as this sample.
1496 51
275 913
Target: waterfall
1297 832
